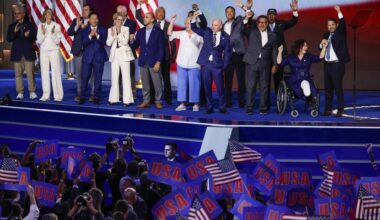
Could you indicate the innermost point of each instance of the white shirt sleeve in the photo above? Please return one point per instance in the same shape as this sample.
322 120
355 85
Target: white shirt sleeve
295 13
34 213
340 15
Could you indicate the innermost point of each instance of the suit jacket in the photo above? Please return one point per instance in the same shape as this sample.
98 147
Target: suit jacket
131 24
170 46
22 46
150 52
76 47
339 41
268 52
280 28
236 37
93 49
221 54
123 39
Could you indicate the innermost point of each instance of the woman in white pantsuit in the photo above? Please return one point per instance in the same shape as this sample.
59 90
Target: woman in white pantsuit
48 37
120 57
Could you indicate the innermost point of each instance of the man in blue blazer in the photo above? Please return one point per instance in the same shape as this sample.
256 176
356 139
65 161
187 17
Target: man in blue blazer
150 39
94 55
75 30
22 34
213 59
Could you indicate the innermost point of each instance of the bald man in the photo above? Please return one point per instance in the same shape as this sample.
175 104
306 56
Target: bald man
213 59
138 204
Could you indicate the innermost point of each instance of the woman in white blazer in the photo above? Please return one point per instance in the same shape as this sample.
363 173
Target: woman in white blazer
48 37
120 57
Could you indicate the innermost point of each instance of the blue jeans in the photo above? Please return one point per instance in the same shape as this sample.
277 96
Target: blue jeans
191 77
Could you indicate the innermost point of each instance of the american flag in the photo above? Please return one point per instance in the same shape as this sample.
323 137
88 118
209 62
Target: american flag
327 182
367 207
8 171
197 210
304 217
241 153
149 6
223 171
65 12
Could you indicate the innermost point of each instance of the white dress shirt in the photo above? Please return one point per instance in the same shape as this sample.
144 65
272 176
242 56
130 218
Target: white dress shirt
228 27
218 36
162 24
52 37
264 39
34 213
189 48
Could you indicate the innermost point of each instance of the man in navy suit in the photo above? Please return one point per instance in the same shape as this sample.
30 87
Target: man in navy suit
94 55
150 39
213 59
75 30
22 34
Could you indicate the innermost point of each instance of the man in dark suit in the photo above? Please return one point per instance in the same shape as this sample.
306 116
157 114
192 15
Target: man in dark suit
170 49
213 59
170 151
279 27
22 35
150 39
335 59
259 57
75 30
131 24
94 39
234 28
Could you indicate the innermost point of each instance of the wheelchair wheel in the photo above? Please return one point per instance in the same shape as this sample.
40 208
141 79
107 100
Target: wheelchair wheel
282 98
294 113
314 113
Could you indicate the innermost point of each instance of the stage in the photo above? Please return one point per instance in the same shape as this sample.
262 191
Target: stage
294 142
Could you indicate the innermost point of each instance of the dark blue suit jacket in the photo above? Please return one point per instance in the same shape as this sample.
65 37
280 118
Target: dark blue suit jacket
93 49
131 24
221 54
152 51
22 46
76 48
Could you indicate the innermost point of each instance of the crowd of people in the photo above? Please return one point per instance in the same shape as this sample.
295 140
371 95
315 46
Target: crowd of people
244 45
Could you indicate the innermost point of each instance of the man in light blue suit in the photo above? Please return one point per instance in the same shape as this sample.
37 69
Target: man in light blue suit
94 55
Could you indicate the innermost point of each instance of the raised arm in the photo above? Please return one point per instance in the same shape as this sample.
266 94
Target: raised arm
171 25
324 44
342 22
139 17
294 20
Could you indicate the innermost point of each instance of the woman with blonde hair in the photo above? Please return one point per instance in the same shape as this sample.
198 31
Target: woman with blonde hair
48 38
120 57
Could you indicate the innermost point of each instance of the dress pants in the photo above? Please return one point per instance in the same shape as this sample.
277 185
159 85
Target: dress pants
118 66
210 74
147 73
258 73
165 71
51 58
96 69
189 80
28 67
237 65
334 73
78 73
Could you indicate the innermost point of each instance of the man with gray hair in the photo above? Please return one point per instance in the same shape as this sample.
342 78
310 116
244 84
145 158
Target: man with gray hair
213 59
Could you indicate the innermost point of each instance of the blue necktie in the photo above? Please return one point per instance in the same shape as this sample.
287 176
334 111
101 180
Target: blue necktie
328 55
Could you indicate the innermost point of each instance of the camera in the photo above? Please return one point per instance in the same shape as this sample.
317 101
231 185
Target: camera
81 200
112 144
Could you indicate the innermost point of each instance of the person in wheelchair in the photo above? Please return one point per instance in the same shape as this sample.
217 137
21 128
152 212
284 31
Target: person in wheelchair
299 79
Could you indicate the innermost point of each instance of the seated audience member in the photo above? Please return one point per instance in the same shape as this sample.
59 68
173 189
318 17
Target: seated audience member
138 204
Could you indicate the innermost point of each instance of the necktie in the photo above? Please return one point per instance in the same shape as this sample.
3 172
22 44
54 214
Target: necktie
214 40
272 27
159 24
328 55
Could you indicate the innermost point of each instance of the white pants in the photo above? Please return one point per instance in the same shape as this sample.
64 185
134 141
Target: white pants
51 58
116 65
305 86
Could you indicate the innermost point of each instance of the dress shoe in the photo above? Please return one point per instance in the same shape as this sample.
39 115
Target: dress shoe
223 110
241 104
195 108
181 107
159 106
77 98
209 110
143 105
263 112
327 113
92 98
249 111
229 105
44 99
81 101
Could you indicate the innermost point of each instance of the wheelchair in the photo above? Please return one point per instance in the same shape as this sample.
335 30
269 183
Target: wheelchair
286 98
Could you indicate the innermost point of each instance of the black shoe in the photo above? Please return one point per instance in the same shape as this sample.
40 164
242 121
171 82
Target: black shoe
223 110
209 111
229 105
263 112
96 101
241 104
81 101
249 112
327 113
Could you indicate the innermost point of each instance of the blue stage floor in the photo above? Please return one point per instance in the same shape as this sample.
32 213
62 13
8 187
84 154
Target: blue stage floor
368 110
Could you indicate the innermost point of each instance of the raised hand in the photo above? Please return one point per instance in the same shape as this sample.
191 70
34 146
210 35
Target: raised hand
280 49
239 3
294 5
324 43
249 4
249 14
196 14
337 8
79 21
195 7
172 19
156 67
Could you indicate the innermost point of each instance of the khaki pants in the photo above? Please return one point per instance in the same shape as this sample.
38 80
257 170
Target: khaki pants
28 67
